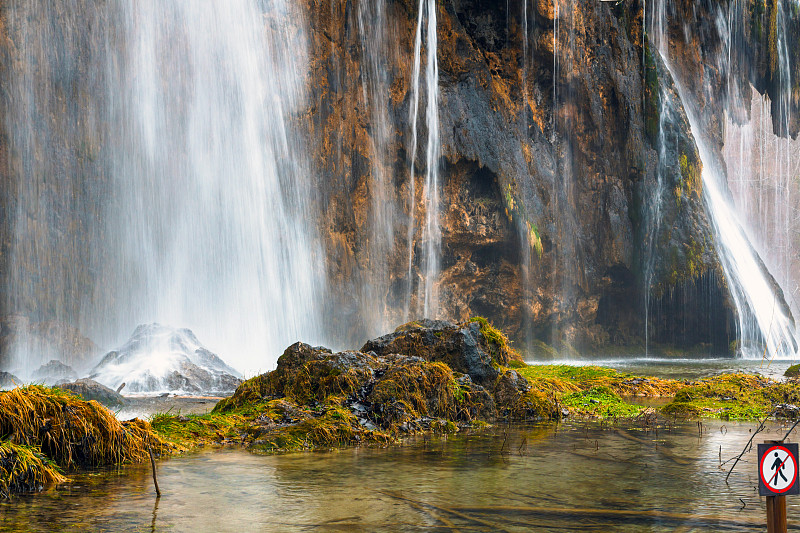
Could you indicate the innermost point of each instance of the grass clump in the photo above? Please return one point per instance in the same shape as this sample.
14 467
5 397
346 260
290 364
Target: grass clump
732 397
25 469
566 379
499 346
72 432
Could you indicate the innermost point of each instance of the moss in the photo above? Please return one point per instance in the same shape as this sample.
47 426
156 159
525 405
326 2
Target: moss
329 427
601 402
691 182
515 210
574 387
534 239
499 345
773 37
733 397
535 404
792 372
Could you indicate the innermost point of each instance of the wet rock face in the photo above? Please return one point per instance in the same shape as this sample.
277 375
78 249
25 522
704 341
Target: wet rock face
549 166
159 358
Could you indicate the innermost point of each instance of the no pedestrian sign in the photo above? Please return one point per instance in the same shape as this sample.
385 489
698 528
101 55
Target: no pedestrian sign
777 469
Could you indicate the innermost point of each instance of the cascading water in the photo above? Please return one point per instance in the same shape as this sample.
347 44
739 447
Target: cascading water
763 160
430 231
766 325
375 41
202 194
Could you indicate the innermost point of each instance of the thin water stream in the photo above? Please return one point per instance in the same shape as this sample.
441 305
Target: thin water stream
479 481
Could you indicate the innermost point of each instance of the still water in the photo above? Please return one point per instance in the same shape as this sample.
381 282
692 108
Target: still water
550 477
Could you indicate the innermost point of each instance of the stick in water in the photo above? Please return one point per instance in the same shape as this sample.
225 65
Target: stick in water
155 477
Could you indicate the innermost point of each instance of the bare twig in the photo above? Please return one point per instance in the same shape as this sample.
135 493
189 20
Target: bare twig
749 442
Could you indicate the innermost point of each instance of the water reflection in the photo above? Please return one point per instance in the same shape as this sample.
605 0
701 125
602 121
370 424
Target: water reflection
546 478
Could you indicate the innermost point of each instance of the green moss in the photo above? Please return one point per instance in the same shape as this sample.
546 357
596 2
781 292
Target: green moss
599 402
499 345
733 397
691 182
792 372
515 210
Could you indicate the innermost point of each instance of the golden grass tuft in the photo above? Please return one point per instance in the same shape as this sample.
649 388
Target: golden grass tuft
73 432
23 469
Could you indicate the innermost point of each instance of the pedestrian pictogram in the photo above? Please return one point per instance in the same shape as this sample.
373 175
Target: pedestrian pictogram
777 469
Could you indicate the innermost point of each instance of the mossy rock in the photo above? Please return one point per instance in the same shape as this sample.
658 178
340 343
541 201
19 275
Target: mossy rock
793 371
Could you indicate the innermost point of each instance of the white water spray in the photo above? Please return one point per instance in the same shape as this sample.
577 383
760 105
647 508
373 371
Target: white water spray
206 198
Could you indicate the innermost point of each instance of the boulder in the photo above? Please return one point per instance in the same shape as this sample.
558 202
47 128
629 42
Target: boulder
458 346
8 381
53 372
158 358
509 387
88 389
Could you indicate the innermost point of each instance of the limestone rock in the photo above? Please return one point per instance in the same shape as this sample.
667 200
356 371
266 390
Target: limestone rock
8 381
53 372
159 358
435 340
88 389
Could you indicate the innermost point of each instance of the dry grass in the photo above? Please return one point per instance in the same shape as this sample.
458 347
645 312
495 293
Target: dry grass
72 432
23 469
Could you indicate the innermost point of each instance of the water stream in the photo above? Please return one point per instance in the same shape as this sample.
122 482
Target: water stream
430 233
489 477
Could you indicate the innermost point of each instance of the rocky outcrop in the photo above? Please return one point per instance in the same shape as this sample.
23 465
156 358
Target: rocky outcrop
423 374
42 342
461 347
53 372
89 389
9 381
158 358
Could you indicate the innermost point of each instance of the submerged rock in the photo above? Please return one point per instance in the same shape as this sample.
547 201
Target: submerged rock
53 372
89 389
159 358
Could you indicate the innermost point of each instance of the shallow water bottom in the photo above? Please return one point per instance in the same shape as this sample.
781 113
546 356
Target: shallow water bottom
570 476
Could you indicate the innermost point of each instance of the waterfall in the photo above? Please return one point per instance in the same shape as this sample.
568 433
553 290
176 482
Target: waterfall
430 238
766 325
375 41
201 211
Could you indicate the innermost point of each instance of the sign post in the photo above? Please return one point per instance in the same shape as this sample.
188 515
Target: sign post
777 477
